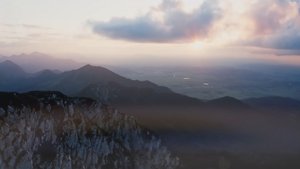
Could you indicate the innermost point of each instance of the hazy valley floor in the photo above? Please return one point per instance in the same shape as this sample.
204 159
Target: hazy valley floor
225 139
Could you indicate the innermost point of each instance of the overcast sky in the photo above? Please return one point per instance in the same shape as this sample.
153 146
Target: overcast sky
115 31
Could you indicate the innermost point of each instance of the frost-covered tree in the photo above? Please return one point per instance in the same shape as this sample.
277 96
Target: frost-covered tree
64 135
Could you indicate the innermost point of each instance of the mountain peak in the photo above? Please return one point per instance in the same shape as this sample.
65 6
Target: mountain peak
10 70
37 61
97 70
9 66
39 54
33 54
228 102
8 62
89 66
46 73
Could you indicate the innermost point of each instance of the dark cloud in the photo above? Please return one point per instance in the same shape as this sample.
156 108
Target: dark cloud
287 39
287 52
175 25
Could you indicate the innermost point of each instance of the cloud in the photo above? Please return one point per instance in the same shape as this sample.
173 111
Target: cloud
166 23
27 26
267 24
288 38
268 15
276 24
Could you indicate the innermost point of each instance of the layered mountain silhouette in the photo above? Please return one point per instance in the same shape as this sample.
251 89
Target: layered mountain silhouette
97 83
187 125
36 61
8 69
10 74
275 103
104 85
227 102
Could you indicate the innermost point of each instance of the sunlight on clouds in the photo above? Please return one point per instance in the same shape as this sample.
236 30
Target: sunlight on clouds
197 28
198 45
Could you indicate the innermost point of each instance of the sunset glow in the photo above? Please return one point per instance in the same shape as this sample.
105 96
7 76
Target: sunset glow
149 84
90 30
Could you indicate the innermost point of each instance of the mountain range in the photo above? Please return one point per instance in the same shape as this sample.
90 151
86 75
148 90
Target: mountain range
36 61
187 125
104 85
89 81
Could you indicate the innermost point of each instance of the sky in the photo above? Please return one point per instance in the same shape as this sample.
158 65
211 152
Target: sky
153 31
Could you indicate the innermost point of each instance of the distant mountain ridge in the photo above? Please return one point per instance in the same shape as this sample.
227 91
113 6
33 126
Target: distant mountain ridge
99 83
36 61
11 74
180 120
104 85
228 102
275 103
